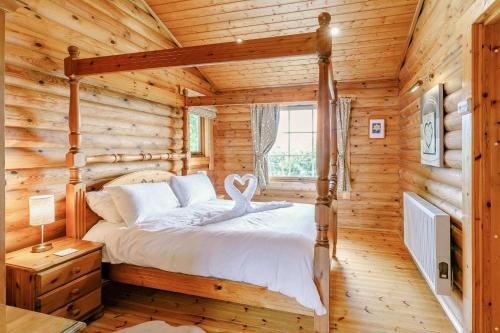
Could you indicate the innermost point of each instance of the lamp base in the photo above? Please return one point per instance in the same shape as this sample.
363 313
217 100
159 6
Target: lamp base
41 247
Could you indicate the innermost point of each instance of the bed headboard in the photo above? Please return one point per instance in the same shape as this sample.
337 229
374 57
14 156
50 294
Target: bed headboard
144 176
82 218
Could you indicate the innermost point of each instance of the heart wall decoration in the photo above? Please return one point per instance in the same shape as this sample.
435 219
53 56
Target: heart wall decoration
431 127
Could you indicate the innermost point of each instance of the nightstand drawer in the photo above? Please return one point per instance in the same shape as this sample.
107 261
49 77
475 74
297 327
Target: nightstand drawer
69 271
69 292
81 307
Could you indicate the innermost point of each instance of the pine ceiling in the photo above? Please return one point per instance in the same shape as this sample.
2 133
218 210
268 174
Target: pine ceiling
370 39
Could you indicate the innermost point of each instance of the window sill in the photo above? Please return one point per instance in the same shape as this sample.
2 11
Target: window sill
286 179
307 184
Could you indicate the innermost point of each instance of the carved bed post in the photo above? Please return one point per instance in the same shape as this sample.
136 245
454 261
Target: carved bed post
323 200
75 159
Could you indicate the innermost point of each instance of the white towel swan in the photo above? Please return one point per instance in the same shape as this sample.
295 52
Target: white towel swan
243 201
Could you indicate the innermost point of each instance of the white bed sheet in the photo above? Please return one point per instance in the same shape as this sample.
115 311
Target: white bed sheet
273 249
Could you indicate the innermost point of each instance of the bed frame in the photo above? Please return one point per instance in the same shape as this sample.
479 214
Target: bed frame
79 220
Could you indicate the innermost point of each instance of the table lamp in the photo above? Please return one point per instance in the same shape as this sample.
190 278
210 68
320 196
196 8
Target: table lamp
42 209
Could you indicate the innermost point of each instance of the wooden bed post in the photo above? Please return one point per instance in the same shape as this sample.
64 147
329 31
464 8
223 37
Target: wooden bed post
75 159
333 167
185 133
323 200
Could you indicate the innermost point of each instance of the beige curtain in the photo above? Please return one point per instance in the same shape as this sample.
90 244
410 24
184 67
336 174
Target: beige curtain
343 119
265 120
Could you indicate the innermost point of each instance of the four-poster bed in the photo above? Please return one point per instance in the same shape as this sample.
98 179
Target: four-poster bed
79 221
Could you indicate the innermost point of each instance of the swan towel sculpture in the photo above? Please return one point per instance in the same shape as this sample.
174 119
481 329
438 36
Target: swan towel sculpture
243 201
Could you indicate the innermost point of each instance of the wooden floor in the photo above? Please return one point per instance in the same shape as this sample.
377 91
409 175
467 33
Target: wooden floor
375 287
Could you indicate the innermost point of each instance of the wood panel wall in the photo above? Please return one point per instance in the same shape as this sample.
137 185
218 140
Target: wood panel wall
374 201
125 112
375 198
436 56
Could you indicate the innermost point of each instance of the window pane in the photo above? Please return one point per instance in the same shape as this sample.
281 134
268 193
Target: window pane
281 145
194 133
315 126
278 165
301 120
300 143
314 143
294 154
301 165
283 124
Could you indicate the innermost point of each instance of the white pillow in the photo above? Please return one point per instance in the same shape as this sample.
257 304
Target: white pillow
193 188
102 204
138 203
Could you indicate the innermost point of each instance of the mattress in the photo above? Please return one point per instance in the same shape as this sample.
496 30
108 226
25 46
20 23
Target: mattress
272 249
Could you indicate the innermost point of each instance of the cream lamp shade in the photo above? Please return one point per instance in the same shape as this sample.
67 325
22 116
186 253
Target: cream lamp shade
42 209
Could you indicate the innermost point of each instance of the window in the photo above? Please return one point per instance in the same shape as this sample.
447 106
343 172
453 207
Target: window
195 134
294 153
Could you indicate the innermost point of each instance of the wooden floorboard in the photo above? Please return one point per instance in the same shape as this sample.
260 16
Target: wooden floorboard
375 287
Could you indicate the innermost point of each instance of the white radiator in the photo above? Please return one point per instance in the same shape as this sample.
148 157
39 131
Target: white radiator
427 237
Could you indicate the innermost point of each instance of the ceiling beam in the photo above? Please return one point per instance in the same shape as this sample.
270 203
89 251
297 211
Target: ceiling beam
416 15
265 48
286 94
171 36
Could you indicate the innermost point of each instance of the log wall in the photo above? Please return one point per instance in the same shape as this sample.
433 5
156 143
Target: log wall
375 200
436 56
124 113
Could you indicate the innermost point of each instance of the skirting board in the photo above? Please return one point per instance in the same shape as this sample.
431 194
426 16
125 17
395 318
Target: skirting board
453 310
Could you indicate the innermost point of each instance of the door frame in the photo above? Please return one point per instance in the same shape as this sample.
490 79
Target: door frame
484 296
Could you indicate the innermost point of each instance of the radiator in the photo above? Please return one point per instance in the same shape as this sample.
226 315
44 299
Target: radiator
427 237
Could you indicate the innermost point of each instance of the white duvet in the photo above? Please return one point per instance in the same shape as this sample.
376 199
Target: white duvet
273 249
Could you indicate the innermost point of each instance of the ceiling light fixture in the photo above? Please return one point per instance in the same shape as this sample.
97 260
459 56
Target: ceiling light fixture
416 86
239 40
335 31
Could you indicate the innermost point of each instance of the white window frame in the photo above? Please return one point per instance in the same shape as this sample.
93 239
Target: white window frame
296 179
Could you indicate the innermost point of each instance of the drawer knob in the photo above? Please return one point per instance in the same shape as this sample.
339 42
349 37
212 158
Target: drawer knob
75 312
76 270
75 291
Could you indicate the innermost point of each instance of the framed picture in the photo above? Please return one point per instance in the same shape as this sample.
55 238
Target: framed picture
431 127
377 128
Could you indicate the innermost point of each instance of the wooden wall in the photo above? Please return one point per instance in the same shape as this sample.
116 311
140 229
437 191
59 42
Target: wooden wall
126 112
375 200
233 143
436 56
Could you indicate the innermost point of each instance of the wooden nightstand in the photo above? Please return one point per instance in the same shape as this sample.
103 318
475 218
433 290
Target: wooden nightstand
68 286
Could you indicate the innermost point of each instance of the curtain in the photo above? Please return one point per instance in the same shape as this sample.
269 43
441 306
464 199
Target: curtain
343 119
265 120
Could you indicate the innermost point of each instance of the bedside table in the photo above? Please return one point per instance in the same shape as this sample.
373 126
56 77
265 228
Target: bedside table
68 286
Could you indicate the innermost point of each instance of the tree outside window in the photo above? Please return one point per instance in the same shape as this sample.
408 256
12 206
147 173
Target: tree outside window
294 152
